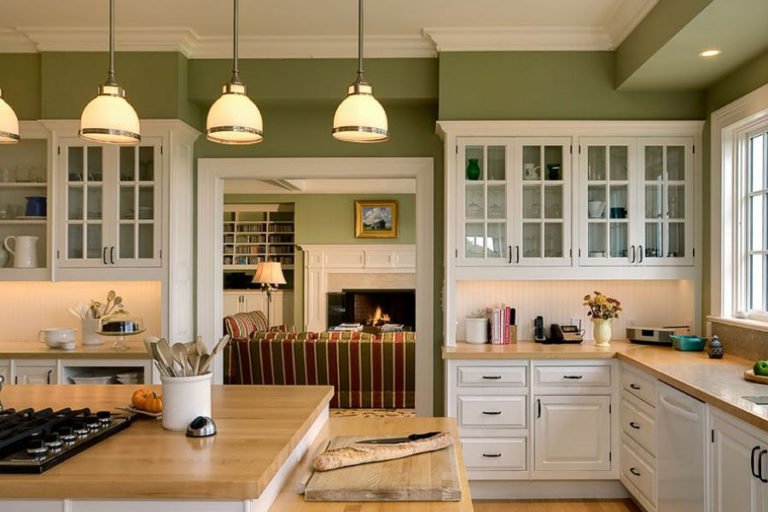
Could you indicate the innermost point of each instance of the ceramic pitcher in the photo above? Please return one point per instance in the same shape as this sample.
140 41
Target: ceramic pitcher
24 250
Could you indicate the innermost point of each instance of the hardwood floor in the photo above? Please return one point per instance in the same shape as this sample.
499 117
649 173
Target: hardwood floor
556 506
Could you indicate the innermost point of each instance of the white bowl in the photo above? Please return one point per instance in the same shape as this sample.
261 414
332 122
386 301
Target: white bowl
67 345
106 379
57 334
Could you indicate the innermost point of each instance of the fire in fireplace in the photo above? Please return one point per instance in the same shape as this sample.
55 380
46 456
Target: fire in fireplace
372 308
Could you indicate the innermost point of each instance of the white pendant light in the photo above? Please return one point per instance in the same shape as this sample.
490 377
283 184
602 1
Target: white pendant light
9 123
234 118
109 118
360 117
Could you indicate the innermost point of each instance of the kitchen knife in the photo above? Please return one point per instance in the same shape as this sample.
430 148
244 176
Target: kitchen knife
397 440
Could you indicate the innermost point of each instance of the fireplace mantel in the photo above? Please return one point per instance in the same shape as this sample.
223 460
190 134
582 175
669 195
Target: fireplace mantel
322 260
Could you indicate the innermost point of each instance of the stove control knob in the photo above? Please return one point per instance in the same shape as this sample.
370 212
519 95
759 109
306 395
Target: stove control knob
53 441
80 429
36 447
67 434
104 416
92 422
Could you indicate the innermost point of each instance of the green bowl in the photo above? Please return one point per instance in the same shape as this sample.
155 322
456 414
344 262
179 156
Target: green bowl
688 343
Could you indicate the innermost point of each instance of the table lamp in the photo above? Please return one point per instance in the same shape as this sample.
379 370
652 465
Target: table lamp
269 274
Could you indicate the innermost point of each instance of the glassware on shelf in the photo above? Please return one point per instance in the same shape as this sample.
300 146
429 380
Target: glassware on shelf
473 169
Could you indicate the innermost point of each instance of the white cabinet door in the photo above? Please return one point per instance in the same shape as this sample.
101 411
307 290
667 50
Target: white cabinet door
234 302
735 477
34 373
572 433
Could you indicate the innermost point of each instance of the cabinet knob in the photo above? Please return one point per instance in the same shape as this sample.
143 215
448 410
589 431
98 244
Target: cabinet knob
492 455
634 425
634 471
104 255
634 386
492 377
492 413
754 472
573 377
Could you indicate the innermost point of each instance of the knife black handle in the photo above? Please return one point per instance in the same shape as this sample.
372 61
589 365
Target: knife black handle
416 437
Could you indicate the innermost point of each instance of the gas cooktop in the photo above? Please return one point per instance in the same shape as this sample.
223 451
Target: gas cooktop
35 441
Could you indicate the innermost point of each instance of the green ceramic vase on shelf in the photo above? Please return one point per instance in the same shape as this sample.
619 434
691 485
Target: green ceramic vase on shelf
473 169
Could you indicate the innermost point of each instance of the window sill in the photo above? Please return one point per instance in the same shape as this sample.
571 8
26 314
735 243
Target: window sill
740 322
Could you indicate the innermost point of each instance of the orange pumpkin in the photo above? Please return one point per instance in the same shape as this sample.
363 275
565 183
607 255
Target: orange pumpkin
147 400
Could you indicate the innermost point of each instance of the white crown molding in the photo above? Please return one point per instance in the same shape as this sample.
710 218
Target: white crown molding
519 39
155 39
12 41
624 18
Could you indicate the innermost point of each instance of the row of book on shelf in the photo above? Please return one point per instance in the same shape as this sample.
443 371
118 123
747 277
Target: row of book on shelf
502 325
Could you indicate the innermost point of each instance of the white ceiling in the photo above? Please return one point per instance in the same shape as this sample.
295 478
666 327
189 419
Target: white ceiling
321 28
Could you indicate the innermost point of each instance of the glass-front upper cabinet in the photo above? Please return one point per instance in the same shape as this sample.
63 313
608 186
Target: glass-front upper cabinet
542 210
109 205
666 199
483 201
607 201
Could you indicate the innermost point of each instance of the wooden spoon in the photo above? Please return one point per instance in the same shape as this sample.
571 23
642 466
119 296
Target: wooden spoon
180 354
166 355
160 360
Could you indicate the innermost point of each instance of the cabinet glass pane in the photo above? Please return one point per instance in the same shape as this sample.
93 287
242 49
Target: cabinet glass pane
653 201
654 163
597 240
619 163
95 201
75 203
474 198
654 234
676 240
532 240
146 203
532 202
497 201
676 198
596 163
553 240
757 169
127 203
147 163
553 159
75 241
757 237
497 163
497 240
75 162
127 164
127 250
553 202
93 233
618 236
474 240
146 241
474 164
531 163
95 168
596 201
619 201
675 163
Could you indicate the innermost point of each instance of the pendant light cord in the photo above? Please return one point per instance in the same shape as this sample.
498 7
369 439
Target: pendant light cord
360 78
235 32
111 77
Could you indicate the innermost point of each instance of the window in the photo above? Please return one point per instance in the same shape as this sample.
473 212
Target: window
755 225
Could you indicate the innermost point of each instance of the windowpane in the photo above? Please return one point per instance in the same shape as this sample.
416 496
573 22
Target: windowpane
757 169
757 229
755 202
757 282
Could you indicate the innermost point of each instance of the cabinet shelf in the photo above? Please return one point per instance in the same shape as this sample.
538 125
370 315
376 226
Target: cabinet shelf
23 184
23 222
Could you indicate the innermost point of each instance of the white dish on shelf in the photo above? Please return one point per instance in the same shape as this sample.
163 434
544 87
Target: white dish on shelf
105 379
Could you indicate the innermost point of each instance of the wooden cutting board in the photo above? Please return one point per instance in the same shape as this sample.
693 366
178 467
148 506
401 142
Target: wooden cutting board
431 476
750 376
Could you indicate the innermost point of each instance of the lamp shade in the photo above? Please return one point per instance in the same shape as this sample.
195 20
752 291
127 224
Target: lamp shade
9 123
269 273
360 117
110 119
234 118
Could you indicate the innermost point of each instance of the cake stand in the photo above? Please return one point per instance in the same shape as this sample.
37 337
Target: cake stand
120 342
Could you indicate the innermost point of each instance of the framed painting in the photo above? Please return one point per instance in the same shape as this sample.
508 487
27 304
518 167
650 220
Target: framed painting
376 219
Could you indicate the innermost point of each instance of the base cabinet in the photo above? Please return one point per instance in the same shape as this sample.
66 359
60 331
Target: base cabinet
560 420
739 460
35 372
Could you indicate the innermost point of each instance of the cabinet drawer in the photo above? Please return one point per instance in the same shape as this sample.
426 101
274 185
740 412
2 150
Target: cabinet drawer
506 454
502 376
573 376
638 471
637 423
642 386
507 412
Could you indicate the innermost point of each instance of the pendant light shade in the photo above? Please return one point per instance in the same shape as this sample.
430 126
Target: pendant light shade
234 118
109 118
9 123
360 117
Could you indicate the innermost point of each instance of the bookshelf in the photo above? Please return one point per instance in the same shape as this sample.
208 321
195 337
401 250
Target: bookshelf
258 232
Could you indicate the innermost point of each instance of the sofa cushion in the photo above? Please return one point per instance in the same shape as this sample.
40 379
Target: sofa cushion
243 325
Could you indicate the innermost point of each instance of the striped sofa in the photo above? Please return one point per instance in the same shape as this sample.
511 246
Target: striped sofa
366 371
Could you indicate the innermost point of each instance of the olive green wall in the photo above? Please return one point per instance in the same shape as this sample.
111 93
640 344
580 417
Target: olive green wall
20 82
550 85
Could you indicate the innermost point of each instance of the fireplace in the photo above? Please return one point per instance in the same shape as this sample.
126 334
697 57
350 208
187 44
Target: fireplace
372 308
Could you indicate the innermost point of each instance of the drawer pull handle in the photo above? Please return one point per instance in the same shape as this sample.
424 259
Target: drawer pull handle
634 471
492 377
634 425
492 455
492 413
635 387
574 377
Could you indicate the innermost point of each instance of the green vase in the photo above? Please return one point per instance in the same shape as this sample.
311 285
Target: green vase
473 169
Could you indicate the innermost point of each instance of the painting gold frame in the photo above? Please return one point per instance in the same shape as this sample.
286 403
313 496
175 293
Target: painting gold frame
369 208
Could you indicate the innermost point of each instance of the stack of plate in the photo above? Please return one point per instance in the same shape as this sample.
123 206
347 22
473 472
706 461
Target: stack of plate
82 379
129 378
58 337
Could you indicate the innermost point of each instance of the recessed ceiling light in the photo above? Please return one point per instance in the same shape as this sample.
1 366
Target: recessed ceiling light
712 52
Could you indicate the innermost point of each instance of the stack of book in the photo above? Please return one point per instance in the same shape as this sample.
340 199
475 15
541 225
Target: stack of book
503 328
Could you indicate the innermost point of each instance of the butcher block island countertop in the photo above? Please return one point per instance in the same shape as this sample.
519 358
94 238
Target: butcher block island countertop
533 350
258 428
38 350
